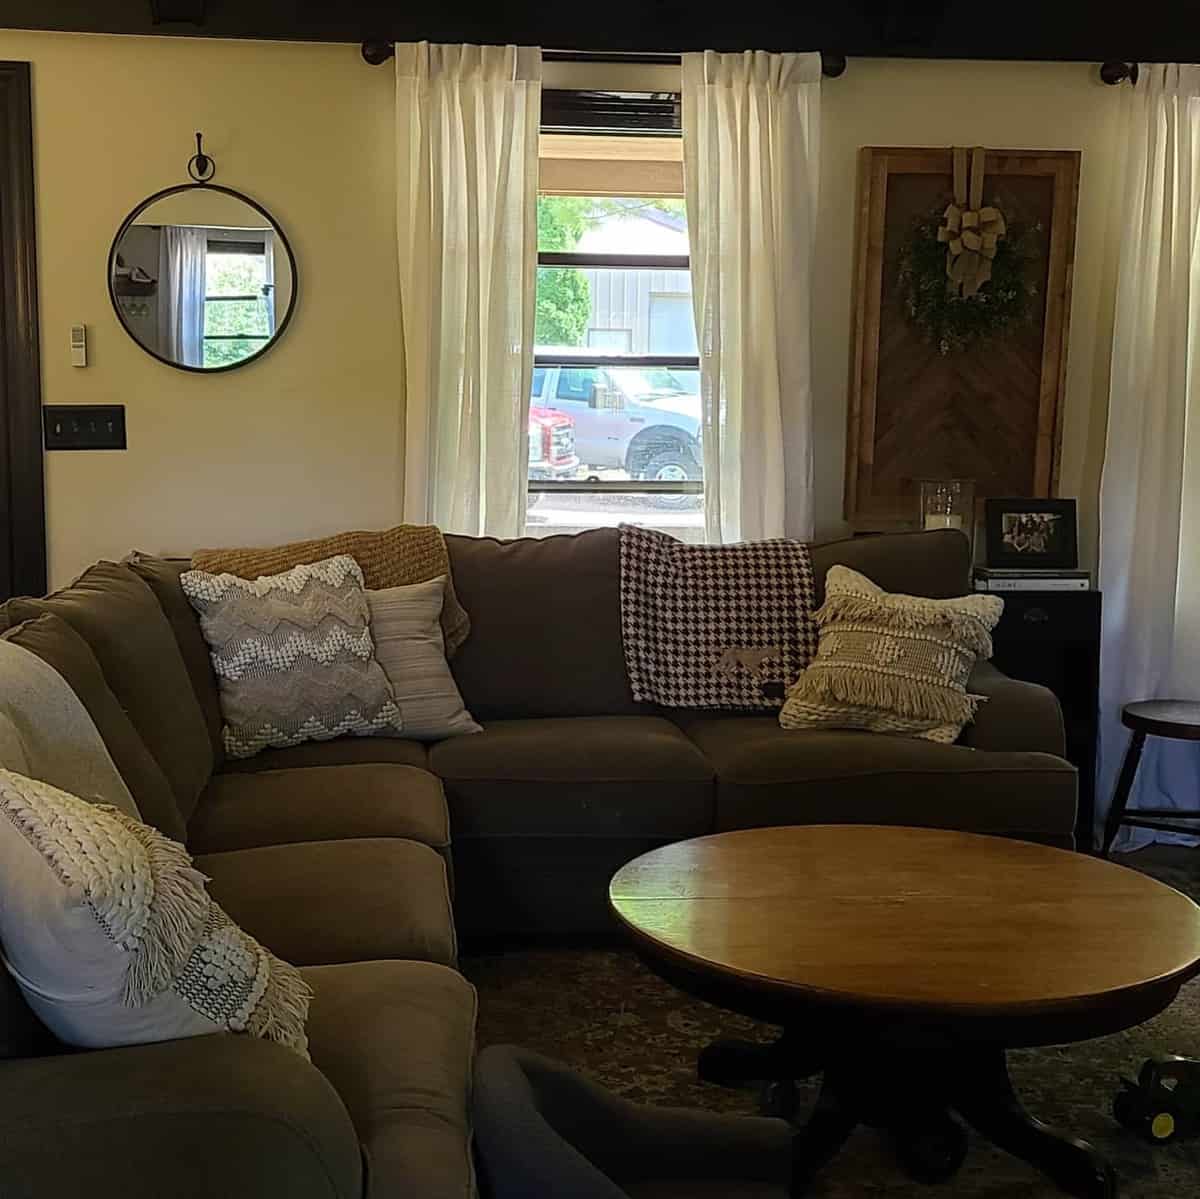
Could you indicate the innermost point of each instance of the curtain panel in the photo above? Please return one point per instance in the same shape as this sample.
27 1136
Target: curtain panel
751 127
1150 488
467 121
182 273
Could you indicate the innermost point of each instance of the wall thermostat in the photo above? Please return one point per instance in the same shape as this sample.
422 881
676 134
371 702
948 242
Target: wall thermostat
79 345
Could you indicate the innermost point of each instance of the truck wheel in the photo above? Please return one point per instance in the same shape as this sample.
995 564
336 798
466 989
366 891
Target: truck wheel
673 466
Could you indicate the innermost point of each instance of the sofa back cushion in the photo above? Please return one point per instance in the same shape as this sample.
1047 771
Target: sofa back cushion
59 646
22 1034
545 626
117 615
161 575
935 564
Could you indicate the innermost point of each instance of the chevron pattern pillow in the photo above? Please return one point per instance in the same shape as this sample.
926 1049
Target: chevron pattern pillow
293 655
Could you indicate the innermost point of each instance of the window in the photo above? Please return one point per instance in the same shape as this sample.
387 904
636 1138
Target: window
616 377
239 305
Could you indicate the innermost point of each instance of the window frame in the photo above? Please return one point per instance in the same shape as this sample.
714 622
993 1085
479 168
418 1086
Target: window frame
583 360
221 246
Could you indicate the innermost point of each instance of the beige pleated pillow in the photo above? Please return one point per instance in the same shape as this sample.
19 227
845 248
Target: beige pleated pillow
406 626
892 663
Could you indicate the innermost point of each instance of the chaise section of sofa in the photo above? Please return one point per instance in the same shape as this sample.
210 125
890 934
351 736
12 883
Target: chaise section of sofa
342 869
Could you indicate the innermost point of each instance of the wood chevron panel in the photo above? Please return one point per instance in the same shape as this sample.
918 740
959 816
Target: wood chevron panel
990 412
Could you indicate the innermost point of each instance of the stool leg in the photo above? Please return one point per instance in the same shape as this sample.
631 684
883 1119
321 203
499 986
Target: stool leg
1133 755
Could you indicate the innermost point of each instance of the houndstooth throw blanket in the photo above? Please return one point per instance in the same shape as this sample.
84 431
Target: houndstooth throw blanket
704 626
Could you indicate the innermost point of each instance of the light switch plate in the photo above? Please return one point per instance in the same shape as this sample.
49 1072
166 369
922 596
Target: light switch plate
84 426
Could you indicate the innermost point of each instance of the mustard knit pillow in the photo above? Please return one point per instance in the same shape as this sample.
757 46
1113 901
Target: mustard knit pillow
892 663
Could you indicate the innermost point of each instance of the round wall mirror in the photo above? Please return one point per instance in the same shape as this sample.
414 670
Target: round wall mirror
202 277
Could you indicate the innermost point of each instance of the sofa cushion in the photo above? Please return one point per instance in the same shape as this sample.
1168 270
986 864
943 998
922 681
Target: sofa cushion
936 564
113 938
768 775
321 803
117 615
338 901
59 646
601 776
293 655
892 663
22 1034
545 626
410 646
161 575
397 1040
342 751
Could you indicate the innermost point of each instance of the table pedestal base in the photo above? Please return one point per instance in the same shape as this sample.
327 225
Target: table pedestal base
918 1097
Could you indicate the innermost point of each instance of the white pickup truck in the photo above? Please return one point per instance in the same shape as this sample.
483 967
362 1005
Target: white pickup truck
641 420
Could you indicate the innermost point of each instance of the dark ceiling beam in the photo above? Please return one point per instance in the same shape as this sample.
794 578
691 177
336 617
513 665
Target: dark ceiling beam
1067 30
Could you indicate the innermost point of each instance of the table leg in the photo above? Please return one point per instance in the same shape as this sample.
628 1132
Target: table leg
735 1063
983 1095
822 1135
1133 755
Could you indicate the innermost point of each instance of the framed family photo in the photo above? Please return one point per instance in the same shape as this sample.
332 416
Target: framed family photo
1031 534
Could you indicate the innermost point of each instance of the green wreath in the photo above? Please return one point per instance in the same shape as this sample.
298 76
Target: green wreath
949 321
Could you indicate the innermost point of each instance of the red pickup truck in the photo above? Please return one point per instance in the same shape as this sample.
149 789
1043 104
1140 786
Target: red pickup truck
551 445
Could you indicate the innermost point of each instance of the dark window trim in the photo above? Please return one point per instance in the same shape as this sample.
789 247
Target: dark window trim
636 114
216 246
584 360
623 262
22 486
237 337
232 299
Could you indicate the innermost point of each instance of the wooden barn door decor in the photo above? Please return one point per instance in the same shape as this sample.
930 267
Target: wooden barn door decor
962 296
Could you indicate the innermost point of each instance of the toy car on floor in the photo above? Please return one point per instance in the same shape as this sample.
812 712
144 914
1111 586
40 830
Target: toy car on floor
1164 1103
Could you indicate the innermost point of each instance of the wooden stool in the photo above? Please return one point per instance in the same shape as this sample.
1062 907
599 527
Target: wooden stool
1175 718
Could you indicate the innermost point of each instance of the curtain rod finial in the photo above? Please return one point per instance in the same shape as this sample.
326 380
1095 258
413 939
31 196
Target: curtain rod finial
832 65
377 52
1113 73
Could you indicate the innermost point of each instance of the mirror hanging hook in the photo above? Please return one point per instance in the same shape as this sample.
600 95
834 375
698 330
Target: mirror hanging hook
201 166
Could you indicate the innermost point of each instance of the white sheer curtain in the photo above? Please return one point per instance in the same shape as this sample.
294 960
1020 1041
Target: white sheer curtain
182 255
1150 491
467 163
751 126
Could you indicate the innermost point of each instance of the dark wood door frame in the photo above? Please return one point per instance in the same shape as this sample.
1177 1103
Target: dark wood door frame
22 488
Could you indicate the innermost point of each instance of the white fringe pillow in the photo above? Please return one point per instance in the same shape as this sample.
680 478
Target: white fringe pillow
892 663
110 934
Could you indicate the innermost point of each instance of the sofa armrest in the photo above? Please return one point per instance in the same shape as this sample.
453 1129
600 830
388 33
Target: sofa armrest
215 1117
1017 716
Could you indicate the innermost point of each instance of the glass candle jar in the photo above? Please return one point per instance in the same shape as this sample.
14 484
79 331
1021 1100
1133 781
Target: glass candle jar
948 504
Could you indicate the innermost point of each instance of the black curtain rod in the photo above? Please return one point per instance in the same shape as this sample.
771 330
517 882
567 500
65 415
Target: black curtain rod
377 53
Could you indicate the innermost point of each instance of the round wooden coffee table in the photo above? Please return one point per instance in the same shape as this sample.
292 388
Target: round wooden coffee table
903 964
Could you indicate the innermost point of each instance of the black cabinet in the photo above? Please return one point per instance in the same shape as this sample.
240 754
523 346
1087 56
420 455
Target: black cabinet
1053 638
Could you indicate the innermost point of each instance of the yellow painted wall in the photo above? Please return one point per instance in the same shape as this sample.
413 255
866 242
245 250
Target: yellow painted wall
307 439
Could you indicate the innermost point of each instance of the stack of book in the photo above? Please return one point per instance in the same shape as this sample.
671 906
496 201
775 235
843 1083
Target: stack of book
994 578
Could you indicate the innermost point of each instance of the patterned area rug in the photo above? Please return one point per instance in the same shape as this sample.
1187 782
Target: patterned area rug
604 1013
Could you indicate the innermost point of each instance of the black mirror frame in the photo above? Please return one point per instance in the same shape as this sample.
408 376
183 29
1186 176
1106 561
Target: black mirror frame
280 328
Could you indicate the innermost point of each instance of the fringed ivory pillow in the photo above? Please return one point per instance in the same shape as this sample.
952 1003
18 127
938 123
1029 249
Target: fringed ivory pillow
892 663
111 936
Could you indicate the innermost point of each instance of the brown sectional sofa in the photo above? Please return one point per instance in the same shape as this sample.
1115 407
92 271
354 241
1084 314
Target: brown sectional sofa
344 857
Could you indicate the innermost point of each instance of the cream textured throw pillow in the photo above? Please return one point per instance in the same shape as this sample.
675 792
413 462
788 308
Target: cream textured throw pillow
293 655
406 626
113 939
892 663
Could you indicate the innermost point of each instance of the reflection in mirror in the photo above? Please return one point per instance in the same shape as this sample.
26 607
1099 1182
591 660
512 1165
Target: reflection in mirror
201 278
